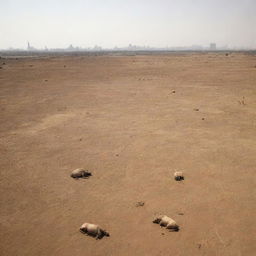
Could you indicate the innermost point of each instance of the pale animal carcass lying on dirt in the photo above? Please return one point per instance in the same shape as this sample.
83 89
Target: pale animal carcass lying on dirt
167 222
80 173
93 230
178 176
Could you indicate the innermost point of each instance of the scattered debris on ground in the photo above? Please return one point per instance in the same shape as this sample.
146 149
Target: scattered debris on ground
242 102
138 204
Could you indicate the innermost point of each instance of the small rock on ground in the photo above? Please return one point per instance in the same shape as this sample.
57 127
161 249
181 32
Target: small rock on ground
138 204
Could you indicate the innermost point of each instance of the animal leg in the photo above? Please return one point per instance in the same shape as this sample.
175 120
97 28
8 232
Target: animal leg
173 228
99 234
161 223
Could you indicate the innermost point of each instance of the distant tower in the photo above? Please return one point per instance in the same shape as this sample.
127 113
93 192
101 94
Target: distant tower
213 47
29 47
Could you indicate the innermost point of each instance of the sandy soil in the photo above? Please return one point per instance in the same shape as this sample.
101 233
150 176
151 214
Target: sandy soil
118 117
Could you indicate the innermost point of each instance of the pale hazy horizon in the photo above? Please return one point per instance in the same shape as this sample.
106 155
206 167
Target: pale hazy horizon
110 23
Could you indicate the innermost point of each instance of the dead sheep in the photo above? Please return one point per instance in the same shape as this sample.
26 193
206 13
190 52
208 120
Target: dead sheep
93 230
165 221
80 173
178 176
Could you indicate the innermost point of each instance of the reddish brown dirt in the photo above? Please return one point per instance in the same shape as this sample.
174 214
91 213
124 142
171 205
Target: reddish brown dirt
117 117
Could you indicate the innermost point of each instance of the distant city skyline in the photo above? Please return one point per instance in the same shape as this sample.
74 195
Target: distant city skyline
72 48
131 47
118 23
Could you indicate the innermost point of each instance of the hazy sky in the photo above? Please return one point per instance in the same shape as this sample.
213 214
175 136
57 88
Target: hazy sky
159 23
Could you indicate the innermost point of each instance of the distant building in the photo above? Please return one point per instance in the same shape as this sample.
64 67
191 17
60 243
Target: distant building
213 47
70 48
30 48
97 48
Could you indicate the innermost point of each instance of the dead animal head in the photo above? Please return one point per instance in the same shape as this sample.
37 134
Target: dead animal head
104 233
179 178
158 219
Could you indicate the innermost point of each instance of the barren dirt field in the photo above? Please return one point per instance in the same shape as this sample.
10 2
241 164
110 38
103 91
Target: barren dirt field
119 117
